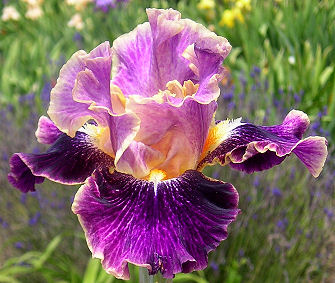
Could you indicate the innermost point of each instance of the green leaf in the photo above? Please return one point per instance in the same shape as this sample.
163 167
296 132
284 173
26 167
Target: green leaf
91 271
326 73
5 279
48 251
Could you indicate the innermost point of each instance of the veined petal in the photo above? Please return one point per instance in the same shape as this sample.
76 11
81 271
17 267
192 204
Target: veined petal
67 161
177 132
21 177
168 226
251 148
47 132
83 81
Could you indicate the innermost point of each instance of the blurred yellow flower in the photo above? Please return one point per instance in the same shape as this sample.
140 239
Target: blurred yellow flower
206 4
243 5
238 14
227 18
34 12
33 2
10 13
76 22
78 4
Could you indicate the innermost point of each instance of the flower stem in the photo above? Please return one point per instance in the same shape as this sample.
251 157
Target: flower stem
144 277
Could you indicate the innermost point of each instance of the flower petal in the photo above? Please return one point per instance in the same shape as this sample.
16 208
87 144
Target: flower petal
162 50
47 132
138 160
177 132
68 109
169 226
251 148
21 177
67 161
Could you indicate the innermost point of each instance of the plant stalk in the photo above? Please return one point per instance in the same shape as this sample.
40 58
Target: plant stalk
144 277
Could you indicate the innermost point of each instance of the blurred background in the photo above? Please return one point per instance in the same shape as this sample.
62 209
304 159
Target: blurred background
282 59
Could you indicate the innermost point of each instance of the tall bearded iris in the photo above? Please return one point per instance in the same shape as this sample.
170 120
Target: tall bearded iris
135 124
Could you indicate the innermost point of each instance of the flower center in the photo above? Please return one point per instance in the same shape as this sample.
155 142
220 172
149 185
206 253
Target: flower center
156 175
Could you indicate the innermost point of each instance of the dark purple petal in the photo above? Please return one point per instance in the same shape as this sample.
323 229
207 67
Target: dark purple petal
169 226
21 177
253 148
67 161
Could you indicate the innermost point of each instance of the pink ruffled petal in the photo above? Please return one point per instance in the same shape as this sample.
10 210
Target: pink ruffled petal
169 48
67 113
178 133
47 132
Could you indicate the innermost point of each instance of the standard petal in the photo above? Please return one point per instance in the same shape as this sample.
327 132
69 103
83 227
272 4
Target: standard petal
178 133
82 83
138 160
251 148
67 161
168 48
169 226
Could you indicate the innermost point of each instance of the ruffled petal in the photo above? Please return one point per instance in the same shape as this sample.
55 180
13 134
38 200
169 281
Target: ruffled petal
169 226
67 161
178 133
138 160
82 84
251 148
47 132
165 49
21 177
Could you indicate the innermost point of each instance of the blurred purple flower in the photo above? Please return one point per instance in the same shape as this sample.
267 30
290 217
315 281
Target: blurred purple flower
276 192
23 198
36 150
19 245
27 98
45 94
256 70
256 181
34 219
5 156
231 105
228 95
292 175
77 37
5 224
214 266
105 5
297 98
243 80
328 212
282 224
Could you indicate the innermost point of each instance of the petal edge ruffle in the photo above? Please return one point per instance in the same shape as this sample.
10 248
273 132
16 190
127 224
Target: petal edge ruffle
68 161
251 148
168 227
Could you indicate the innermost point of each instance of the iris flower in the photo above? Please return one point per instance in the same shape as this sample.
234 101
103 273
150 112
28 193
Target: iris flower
134 123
